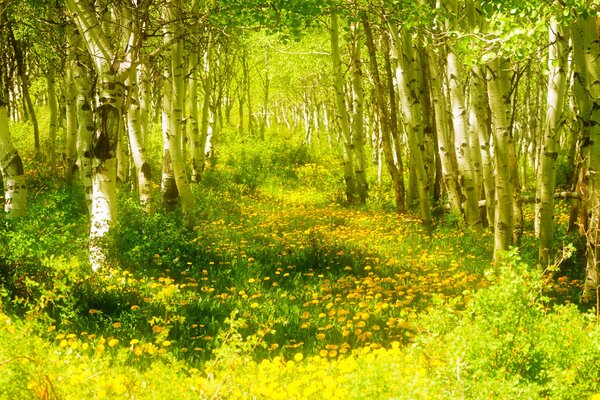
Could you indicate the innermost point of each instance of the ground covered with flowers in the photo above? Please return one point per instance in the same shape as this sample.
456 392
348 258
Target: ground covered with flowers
280 292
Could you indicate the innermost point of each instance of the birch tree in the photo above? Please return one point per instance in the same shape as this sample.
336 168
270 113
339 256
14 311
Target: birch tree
409 88
11 167
83 76
498 84
174 103
344 118
546 176
389 125
445 150
586 53
358 124
107 43
479 118
463 147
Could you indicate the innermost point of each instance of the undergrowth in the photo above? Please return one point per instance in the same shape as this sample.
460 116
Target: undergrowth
282 292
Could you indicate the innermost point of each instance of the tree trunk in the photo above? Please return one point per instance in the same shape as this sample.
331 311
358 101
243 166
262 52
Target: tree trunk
344 119
479 117
21 68
194 129
123 156
53 121
85 123
478 120
557 83
586 50
137 144
110 85
358 121
389 126
444 143
207 119
11 166
70 160
405 58
463 148
175 109
499 100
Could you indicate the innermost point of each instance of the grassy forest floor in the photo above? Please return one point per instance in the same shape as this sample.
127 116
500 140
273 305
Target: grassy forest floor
281 292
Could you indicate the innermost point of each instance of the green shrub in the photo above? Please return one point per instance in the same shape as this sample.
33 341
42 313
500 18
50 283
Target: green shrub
510 343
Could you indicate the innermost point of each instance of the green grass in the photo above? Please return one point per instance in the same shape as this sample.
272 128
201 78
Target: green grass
280 292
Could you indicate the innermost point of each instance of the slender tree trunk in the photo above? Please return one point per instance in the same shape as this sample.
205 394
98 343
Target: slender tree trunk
145 100
389 126
440 110
266 84
122 157
405 58
103 148
137 143
168 186
499 101
358 122
53 122
21 68
557 83
586 51
344 119
108 122
461 135
247 91
207 122
174 134
478 119
11 166
85 123
70 160
53 107
462 146
194 129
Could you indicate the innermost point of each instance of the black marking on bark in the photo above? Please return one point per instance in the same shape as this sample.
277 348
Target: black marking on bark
104 139
146 171
18 164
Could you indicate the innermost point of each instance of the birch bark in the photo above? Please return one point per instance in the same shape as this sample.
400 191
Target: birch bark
546 177
338 84
11 167
499 100
403 54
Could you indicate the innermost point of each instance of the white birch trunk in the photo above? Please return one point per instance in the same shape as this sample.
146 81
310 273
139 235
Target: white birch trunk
403 53
449 173
11 166
499 101
358 122
463 147
344 119
478 121
387 127
85 128
136 143
173 136
546 177
70 161
109 64
207 123
53 121
586 50
194 129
